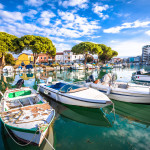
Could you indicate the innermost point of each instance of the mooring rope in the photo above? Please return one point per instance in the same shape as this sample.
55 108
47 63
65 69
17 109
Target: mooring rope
33 136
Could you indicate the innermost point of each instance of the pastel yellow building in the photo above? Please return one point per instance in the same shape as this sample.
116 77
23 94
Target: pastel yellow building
25 59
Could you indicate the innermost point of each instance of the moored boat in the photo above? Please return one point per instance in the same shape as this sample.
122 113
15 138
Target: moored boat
121 91
25 114
90 66
107 66
8 69
72 94
141 76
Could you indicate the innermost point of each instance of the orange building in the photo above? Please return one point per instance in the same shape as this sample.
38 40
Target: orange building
45 58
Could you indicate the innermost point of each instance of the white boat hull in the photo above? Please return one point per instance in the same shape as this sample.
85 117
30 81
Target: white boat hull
144 78
67 99
27 137
124 95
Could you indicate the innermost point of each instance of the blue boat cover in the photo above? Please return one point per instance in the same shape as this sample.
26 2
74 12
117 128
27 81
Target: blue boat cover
64 87
29 67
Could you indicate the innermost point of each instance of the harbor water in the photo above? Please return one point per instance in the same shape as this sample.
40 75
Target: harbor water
79 128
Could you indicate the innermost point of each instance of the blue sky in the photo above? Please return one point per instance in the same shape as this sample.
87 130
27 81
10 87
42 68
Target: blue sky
123 25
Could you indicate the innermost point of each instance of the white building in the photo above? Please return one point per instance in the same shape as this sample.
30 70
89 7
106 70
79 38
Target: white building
59 57
68 57
146 54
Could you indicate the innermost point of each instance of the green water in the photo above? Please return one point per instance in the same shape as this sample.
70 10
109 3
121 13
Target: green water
77 128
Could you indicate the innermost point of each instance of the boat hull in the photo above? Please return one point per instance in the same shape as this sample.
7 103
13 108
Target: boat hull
62 98
142 78
36 139
125 95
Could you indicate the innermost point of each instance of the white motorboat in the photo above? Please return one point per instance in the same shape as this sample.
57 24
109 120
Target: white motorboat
26 115
75 66
141 76
90 66
59 68
121 91
8 69
72 94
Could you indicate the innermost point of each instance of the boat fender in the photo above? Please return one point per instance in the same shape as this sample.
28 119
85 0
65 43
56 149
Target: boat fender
96 81
108 91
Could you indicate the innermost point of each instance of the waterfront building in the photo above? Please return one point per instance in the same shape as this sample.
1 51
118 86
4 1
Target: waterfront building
59 57
68 56
24 59
146 54
115 60
45 58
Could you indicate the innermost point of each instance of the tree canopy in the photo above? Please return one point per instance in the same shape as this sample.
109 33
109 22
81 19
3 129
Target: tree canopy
37 44
87 48
6 44
107 54
9 59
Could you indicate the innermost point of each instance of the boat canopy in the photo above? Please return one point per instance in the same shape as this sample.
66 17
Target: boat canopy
67 88
29 67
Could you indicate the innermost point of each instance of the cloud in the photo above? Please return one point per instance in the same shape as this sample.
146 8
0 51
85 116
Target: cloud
132 47
31 13
11 16
72 3
57 39
45 18
113 41
1 6
147 32
80 25
135 24
98 9
66 15
61 47
35 3
20 7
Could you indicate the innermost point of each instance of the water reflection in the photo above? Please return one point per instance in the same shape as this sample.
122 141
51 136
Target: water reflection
9 144
83 115
84 128
135 113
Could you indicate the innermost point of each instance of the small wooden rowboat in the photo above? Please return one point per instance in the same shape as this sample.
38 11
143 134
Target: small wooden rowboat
26 115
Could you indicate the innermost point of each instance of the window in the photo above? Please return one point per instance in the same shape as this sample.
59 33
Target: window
44 57
41 57
49 57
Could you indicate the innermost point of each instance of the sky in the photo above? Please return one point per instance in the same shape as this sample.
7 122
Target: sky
124 25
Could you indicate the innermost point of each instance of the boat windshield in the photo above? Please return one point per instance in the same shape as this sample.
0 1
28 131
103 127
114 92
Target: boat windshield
64 87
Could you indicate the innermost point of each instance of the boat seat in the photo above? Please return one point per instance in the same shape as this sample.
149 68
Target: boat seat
30 101
77 90
123 86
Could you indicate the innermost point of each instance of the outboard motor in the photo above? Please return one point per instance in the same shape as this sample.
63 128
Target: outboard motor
49 80
114 77
20 83
91 79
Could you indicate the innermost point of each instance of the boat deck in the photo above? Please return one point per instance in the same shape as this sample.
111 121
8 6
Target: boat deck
27 117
